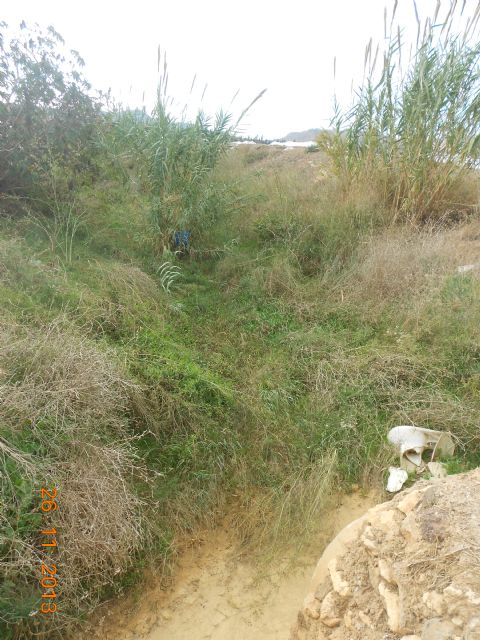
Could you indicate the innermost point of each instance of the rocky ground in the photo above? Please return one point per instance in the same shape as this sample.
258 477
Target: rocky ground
409 568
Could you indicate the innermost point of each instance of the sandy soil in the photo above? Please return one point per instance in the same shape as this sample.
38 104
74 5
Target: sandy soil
219 595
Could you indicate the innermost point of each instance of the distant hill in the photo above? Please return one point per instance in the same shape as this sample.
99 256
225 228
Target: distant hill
302 136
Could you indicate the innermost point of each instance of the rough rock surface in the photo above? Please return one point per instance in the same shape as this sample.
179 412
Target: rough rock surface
408 569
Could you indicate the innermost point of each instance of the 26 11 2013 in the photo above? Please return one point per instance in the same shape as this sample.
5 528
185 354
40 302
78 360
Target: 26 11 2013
49 577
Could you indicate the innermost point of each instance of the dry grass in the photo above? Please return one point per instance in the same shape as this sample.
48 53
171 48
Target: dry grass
277 279
267 520
284 184
19 265
60 391
401 263
123 293
271 159
99 518
131 285
59 376
398 380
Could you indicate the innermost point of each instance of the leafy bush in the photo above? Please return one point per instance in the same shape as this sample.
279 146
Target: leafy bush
47 116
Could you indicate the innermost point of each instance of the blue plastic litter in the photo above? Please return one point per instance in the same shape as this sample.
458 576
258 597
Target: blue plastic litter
182 239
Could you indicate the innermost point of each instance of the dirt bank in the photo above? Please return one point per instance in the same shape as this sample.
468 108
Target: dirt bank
218 594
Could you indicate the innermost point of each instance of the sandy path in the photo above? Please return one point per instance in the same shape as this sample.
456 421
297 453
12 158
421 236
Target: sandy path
218 595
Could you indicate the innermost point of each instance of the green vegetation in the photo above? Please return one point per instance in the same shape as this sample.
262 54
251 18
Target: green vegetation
174 160
415 132
252 374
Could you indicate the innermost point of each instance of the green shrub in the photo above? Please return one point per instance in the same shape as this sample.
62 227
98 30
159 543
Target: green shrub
47 116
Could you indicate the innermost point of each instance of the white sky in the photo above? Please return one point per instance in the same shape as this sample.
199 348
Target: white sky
286 46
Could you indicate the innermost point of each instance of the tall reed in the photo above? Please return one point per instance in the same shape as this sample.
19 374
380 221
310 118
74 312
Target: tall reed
415 134
175 157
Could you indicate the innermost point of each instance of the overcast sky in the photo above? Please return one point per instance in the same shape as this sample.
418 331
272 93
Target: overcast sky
285 46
